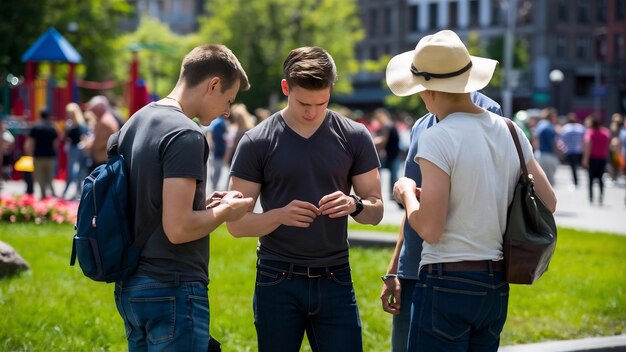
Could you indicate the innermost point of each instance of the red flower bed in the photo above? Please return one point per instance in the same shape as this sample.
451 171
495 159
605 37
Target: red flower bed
25 208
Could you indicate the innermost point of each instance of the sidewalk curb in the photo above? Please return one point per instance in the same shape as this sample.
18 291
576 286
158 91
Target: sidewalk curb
596 344
372 239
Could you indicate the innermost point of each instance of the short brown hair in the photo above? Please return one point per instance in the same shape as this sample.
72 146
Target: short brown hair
213 60
310 67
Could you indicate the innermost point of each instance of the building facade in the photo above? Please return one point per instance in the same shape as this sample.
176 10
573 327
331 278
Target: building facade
180 15
584 39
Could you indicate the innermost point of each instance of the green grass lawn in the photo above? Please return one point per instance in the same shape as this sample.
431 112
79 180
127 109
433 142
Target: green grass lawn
54 307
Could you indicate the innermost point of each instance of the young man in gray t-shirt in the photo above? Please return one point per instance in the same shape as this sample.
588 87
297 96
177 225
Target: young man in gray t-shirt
165 304
302 163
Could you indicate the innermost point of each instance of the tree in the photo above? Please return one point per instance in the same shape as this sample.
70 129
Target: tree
495 50
90 26
262 32
159 53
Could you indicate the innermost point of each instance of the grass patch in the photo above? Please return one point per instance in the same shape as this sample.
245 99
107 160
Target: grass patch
54 307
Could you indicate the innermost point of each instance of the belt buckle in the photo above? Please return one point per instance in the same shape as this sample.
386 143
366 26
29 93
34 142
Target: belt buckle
308 273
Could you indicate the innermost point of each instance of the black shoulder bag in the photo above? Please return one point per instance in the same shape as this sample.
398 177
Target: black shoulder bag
530 236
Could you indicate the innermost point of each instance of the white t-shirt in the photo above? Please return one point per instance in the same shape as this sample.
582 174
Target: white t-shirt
478 153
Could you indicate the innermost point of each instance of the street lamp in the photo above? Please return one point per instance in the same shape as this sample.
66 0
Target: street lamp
556 77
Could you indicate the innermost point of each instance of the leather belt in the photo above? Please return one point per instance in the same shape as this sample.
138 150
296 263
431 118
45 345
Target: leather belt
308 271
468 265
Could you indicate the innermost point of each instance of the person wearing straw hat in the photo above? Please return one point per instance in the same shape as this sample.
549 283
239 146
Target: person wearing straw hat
469 169
402 271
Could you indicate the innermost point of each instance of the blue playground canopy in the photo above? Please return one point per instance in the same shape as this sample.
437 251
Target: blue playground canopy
52 46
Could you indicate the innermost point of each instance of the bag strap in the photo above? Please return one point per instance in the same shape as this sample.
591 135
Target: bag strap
522 164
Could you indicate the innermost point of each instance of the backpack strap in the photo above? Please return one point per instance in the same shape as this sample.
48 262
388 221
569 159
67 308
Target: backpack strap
112 144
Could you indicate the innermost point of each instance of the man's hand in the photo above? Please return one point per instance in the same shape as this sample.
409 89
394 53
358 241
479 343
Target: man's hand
405 187
236 204
214 199
298 214
337 204
390 295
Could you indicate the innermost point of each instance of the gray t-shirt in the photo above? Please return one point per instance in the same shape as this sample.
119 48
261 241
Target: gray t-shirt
160 142
289 167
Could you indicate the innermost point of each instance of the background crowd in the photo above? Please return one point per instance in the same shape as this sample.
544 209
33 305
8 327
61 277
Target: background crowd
594 150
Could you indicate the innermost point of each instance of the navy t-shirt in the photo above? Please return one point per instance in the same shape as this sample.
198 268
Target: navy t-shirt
45 136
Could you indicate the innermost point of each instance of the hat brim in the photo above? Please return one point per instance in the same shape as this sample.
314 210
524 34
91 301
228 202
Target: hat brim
403 83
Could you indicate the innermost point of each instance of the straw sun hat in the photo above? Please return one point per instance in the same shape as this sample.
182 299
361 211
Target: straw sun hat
440 62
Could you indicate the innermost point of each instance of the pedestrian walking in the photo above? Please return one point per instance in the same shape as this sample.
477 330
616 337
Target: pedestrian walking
572 134
42 145
595 154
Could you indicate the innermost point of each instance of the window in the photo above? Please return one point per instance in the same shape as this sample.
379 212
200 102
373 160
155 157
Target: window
583 85
388 21
474 13
583 48
620 10
496 13
373 53
561 47
373 22
433 14
601 11
562 10
582 6
413 18
618 48
600 47
359 52
453 14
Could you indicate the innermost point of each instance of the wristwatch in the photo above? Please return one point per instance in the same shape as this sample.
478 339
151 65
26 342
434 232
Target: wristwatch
359 205
388 276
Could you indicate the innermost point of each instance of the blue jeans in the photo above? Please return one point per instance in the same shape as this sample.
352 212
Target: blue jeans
76 170
458 311
287 303
159 315
402 321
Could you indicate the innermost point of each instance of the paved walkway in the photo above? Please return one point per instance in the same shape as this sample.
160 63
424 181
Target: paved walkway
573 208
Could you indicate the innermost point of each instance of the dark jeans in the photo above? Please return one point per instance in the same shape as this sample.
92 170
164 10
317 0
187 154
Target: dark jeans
458 311
596 170
288 302
574 162
157 315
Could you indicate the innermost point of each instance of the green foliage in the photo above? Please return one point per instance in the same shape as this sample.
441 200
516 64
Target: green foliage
54 307
97 25
261 33
159 51
411 104
521 57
